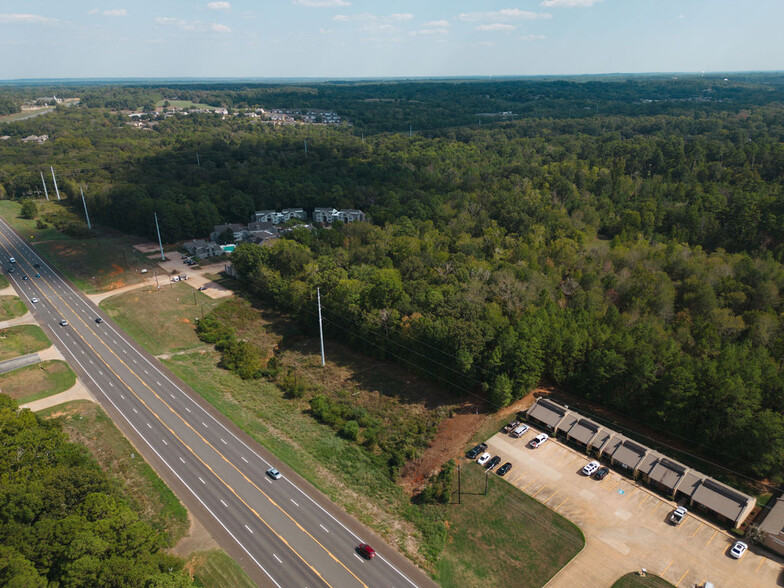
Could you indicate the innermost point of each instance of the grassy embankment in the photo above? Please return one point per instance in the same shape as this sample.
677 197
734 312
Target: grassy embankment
634 580
3 282
458 543
21 340
215 569
11 307
37 381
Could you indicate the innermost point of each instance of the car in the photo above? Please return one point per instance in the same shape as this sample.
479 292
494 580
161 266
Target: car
25 278
504 468
202 288
519 431
34 300
274 474
476 450
176 279
10 270
509 426
36 265
12 260
98 320
366 551
63 323
492 463
539 440
144 271
677 516
601 473
738 549
590 468
483 459
37 275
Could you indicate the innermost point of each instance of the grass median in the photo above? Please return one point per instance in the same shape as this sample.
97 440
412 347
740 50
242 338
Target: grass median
37 381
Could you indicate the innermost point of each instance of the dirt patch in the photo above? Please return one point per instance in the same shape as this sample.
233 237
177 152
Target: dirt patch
197 539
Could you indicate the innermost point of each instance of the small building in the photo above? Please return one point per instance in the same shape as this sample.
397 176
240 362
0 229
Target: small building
773 527
723 502
35 139
546 413
582 432
276 218
239 231
327 216
626 454
200 248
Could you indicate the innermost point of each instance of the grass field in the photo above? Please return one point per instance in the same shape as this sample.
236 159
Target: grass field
3 282
633 580
21 340
25 114
215 569
11 307
10 209
86 423
504 538
37 381
182 104
162 321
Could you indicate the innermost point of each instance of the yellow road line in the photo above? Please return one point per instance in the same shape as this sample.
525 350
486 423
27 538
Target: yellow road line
712 536
560 505
759 565
695 530
682 577
188 425
664 571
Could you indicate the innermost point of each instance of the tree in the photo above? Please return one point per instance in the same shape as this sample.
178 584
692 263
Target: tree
500 392
29 209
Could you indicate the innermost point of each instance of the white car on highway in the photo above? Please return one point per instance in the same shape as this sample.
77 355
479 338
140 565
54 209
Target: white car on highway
34 300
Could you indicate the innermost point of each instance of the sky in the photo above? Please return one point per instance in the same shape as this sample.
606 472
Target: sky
393 38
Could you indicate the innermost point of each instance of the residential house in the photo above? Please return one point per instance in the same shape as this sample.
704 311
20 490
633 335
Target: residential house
239 231
327 216
200 248
773 527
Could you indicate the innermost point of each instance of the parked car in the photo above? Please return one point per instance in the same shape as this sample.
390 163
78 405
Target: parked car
504 468
519 431
366 551
483 459
492 463
63 323
273 473
677 516
601 473
476 450
509 426
738 549
590 468
539 440
202 288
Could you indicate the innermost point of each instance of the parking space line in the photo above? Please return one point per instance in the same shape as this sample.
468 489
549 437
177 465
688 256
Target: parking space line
695 530
615 486
658 504
538 491
644 500
664 571
682 577
560 505
549 497
759 565
712 536
529 483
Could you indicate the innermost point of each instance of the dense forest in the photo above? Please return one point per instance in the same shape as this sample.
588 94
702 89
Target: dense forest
63 522
631 253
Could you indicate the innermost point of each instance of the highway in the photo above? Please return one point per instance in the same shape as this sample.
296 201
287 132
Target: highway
283 532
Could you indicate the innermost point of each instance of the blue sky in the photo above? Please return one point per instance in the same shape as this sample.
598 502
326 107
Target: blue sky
362 38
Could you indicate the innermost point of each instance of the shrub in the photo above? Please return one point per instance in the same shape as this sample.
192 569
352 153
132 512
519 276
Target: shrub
439 489
350 430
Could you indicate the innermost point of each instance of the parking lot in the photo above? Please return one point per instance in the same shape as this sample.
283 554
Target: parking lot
625 524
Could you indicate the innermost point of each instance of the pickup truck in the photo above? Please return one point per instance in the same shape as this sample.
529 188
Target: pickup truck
472 453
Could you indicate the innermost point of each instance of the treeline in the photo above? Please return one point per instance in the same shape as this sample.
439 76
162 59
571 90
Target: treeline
62 522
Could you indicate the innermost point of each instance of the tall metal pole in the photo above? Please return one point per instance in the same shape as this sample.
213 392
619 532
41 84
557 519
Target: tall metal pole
160 243
306 147
87 216
43 181
458 484
198 161
54 179
321 329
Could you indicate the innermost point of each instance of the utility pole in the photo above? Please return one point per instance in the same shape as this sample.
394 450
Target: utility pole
487 475
306 147
44 183
87 216
54 179
321 329
410 131
160 243
157 285
458 483
198 161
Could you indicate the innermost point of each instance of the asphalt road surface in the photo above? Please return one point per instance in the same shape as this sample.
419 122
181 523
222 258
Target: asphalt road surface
283 532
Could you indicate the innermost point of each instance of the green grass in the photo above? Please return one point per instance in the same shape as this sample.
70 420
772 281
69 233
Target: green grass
25 114
215 569
37 381
10 209
182 104
3 282
11 307
21 340
163 321
504 538
86 423
634 580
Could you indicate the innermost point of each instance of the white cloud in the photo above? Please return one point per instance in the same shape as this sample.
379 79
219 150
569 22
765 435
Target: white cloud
25 18
401 17
532 37
219 5
438 24
184 25
322 3
115 12
372 23
431 32
570 3
503 15
681 16
219 28
486 44
496 26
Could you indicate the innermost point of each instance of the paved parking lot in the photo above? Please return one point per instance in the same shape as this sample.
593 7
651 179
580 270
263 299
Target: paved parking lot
625 524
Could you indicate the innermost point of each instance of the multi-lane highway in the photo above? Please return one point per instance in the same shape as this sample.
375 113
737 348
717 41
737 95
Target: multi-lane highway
283 532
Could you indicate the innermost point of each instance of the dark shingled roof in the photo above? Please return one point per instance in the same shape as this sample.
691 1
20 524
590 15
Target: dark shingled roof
628 453
668 473
547 412
568 421
583 430
721 499
691 480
